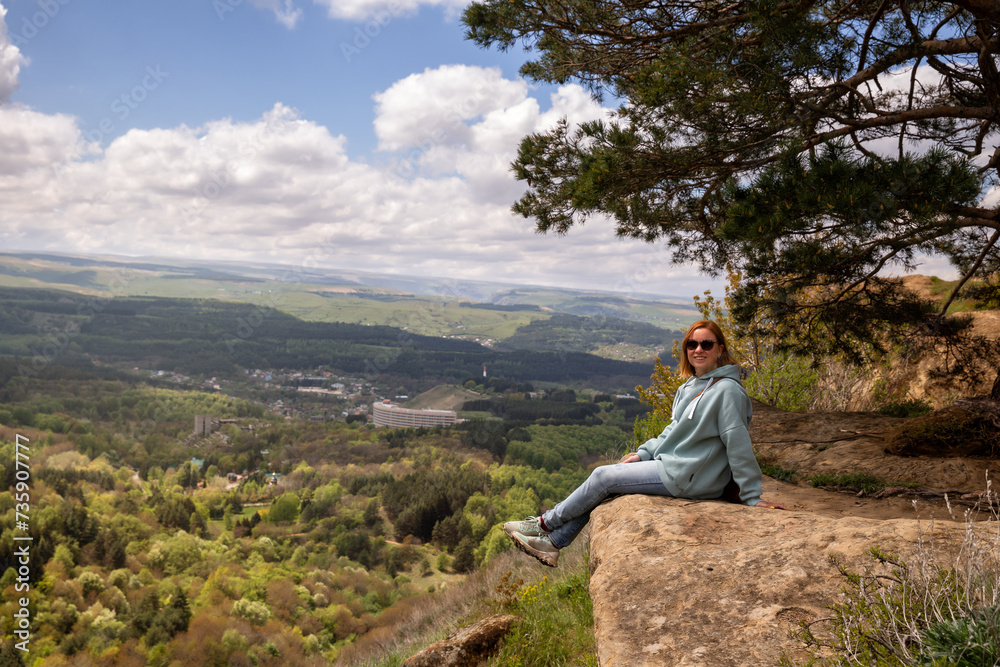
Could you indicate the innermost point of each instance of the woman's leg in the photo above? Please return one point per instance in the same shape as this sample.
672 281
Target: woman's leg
565 521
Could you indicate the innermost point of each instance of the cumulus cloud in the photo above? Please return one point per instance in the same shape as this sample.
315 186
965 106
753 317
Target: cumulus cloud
11 61
468 121
360 10
434 105
30 140
284 189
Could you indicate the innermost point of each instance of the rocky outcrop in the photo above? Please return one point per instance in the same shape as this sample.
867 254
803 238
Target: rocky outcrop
844 442
468 647
706 583
969 429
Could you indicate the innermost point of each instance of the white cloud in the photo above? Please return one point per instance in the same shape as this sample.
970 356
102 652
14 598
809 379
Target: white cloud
283 189
361 10
30 141
469 122
11 61
432 107
284 11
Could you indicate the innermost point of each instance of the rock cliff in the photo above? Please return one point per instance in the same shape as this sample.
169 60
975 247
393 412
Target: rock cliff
843 442
706 583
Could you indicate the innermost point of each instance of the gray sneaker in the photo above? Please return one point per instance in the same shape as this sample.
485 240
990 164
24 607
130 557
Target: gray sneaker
530 526
539 547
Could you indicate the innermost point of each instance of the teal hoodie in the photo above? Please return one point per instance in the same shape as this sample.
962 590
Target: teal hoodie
707 439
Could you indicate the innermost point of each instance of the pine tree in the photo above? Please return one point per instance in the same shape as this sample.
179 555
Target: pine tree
814 146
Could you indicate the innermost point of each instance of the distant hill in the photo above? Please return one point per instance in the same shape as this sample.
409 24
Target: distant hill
208 337
442 397
426 305
592 334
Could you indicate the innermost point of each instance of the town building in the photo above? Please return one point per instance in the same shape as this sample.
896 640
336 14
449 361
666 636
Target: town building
393 416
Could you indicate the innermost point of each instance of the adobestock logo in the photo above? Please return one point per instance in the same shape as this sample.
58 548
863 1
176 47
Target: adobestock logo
30 26
223 7
363 35
127 102
121 107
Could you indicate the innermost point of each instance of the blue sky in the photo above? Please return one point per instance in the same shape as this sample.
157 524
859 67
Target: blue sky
227 58
352 134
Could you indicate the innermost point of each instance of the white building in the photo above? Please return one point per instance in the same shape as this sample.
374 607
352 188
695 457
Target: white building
387 414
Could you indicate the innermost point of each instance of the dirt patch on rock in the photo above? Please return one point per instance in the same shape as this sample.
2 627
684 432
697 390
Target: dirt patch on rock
837 443
954 431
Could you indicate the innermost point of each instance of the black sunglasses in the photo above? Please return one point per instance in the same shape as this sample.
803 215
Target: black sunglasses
705 344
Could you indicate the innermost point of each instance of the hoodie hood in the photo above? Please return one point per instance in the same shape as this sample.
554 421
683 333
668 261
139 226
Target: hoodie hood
731 371
705 382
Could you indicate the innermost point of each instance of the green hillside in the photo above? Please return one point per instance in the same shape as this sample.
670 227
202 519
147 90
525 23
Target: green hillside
277 541
442 397
207 337
610 337
468 310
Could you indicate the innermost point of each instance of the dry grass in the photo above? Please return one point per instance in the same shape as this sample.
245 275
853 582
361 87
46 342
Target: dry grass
418 622
939 607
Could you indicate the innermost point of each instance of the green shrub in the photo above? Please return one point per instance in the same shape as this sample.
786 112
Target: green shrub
257 613
557 621
858 482
971 641
443 562
785 381
920 612
778 473
649 426
910 408
284 509
91 581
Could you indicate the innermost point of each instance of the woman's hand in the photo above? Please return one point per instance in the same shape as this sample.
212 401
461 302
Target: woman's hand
773 506
631 458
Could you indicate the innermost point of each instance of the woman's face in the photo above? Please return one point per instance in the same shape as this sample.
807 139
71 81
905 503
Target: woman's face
701 360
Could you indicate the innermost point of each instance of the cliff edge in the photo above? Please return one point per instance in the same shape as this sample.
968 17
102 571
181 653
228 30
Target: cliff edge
710 584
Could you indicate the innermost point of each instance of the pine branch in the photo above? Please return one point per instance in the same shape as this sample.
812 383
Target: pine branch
968 274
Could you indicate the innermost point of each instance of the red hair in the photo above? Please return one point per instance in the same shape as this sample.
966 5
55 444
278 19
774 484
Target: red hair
686 370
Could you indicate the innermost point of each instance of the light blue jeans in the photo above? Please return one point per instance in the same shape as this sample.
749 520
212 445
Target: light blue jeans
565 521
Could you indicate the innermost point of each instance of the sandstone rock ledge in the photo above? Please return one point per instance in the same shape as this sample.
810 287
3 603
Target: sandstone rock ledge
705 583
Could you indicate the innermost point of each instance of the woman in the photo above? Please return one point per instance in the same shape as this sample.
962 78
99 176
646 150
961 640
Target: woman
704 452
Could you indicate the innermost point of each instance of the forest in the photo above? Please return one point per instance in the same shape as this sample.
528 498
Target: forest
272 540
584 334
278 540
206 337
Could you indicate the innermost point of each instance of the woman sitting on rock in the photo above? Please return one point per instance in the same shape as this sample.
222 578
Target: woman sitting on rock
704 452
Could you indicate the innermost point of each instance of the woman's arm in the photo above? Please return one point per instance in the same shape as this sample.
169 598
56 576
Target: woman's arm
739 449
647 450
743 464
733 409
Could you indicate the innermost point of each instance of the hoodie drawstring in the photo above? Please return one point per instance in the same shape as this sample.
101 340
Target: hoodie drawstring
694 403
